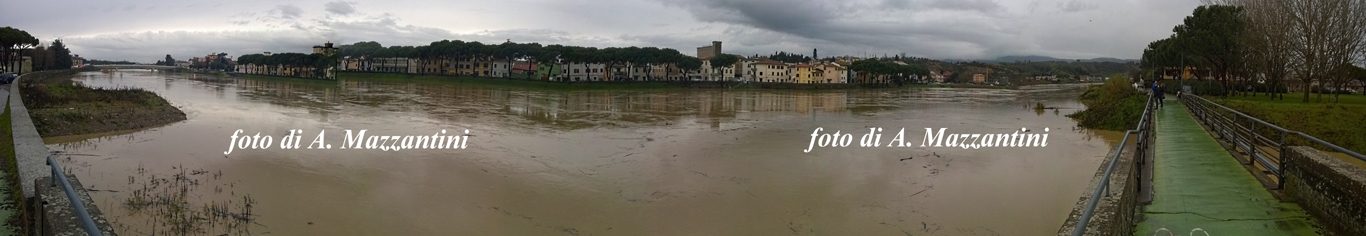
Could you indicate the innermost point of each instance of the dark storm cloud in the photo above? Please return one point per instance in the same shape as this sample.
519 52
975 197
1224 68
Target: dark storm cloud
937 27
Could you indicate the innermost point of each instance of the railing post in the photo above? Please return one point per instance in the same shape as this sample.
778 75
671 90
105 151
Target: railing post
77 205
1280 178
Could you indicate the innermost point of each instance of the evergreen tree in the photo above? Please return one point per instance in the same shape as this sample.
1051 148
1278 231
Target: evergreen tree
61 56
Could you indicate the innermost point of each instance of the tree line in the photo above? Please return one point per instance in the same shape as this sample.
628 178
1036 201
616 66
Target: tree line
456 49
16 43
1260 46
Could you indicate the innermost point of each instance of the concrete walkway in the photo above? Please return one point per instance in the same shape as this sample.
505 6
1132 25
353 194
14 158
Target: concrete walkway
1198 186
29 149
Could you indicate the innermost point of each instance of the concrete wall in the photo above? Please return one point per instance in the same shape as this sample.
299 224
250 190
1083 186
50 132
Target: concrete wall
1115 212
1329 188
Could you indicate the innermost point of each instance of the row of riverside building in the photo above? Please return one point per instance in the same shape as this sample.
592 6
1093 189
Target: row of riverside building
755 69
751 69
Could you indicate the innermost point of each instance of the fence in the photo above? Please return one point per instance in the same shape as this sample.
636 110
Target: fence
1144 134
1264 144
59 178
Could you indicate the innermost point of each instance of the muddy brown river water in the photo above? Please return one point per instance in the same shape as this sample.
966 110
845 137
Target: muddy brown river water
582 162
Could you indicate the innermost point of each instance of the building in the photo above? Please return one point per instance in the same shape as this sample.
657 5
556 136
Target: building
549 71
834 73
708 52
394 65
76 62
804 74
766 70
523 69
585 72
718 73
326 49
979 78
500 69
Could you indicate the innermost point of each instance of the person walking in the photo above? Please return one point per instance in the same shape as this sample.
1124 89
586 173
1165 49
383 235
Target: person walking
1157 93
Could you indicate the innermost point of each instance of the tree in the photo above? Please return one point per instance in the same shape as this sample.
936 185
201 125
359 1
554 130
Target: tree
61 56
723 60
1211 36
168 61
12 39
1267 40
1325 35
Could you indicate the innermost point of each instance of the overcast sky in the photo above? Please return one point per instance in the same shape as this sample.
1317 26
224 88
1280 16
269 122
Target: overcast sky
144 31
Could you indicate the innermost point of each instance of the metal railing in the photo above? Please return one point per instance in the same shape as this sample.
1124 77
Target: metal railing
1144 134
78 206
1264 144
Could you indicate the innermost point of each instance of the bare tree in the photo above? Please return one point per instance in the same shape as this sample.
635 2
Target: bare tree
1267 38
1325 34
1309 40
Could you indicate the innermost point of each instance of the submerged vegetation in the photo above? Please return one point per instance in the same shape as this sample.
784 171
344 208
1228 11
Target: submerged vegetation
60 106
1114 105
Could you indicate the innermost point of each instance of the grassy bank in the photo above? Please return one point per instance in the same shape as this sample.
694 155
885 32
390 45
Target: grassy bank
60 106
11 204
1339 123
1114 105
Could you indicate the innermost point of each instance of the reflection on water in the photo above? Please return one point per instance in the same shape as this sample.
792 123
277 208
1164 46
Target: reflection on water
598 162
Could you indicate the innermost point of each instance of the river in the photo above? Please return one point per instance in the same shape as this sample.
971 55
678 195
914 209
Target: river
582 162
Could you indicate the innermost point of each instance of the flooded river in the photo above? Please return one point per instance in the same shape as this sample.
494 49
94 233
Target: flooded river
582 162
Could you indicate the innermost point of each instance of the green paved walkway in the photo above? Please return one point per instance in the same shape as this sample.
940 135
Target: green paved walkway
1197 184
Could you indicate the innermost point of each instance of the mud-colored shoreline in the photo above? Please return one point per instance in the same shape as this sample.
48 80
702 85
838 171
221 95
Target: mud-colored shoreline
61 107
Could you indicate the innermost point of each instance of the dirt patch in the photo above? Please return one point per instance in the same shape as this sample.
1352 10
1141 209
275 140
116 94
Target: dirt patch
60 106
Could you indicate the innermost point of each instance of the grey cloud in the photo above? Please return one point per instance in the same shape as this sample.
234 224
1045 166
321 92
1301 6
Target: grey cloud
966 5
287 11
906 26
1077 6
950 29
339 8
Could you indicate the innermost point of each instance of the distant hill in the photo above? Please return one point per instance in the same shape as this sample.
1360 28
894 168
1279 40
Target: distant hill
1110 59
1037 58
1034 58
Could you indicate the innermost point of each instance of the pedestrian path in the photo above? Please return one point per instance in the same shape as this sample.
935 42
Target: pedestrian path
1200 189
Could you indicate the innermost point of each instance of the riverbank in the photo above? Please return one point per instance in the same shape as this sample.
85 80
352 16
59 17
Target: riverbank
1335 122
626 84
1114 105
61 107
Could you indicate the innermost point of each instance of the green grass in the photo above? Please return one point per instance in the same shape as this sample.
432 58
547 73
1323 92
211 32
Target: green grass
1114 105
1339 122
11 210
61 107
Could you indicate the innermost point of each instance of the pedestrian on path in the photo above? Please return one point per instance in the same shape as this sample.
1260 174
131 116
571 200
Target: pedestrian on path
1157 93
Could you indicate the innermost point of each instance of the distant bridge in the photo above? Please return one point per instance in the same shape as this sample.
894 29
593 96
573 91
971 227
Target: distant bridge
133 66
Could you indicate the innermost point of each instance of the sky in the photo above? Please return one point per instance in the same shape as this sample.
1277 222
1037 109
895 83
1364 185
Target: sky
147 30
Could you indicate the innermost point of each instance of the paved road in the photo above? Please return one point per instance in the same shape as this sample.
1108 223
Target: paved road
1197 185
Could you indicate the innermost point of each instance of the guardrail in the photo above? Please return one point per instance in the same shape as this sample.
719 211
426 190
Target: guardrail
1263 142
59 178
1143 142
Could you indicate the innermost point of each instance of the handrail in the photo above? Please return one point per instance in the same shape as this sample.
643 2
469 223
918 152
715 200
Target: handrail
1311 138
1103 187
58 177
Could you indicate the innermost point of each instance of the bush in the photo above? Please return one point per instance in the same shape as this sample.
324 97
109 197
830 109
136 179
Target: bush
1115 105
